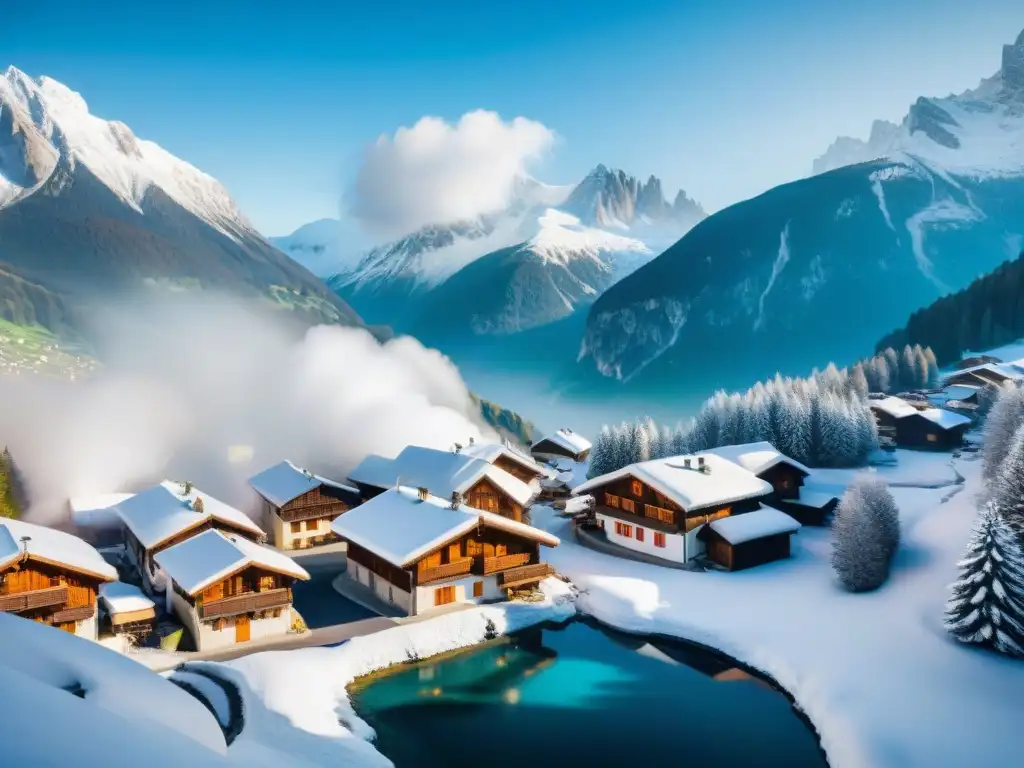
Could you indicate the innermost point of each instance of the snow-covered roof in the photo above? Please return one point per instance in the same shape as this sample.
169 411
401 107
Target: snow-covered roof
401 527
757 457
894 406
119 597
810 498
202 560
491 452
52 546
767 521
723 483
284 482
1012 370
567 439
97 511
440 472
961 391
164 510
945 419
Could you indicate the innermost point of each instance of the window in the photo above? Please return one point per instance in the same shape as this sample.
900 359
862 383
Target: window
627 531
659 539
478 589
611 501
312 525
628 506
932 437
639 533
638 489
266 583
296 527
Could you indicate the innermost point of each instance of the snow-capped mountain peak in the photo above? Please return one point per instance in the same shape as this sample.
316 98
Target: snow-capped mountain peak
47 124
979 133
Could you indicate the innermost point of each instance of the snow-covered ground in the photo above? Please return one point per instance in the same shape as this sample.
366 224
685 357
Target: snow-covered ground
876 673
296 703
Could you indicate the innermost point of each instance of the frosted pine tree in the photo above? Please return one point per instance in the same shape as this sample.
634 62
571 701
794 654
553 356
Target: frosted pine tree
921 367
665 448
986 606
892 363
601 455
859 381
1002 423
882 375
1008 488
933 367
681 440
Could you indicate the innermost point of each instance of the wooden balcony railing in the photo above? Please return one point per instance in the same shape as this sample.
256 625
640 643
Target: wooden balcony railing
504 562
81 613
34 598
515 577
658 513
245 603
447 571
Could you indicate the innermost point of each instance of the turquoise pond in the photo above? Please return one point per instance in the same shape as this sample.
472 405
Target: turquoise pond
582 695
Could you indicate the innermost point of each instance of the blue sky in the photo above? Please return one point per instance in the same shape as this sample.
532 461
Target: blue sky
724 99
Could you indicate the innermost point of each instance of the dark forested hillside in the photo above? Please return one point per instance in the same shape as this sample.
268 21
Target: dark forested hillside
985 314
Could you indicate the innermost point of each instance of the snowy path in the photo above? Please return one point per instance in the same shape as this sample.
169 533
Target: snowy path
876 673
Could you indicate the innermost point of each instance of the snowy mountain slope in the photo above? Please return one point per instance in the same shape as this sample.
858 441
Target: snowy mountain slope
978 134
325 246
562 268
88 209
819 269
570 241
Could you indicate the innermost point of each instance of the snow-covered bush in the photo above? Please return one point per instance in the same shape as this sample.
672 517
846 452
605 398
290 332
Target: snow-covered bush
1005 418
986 606
866 535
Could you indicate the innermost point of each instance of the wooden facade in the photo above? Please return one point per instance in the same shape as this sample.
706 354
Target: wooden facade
487 496
916 431
785 480
325 502
252 593
736 557
632 500
49 593
517 469
548 447
978 377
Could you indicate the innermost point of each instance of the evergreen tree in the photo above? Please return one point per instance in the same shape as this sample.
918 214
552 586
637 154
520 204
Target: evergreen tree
921 366
863 543
933 368
1008 485
1006 416
12 497
681 440
986 606
665 447
881 368
859 381
892 363
908 369
601 455
646 439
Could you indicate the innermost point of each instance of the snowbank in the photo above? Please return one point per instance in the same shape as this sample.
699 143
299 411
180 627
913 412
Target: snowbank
876 673
297 700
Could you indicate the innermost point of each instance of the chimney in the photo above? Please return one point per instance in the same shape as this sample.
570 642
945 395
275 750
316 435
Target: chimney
422 493
700 462
471 441
686 463
456 499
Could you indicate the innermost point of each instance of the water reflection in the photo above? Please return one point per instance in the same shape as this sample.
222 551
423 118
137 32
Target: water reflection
586 695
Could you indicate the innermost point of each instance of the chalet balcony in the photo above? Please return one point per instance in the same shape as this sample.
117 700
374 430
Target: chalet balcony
245 603
331 508
527 574
447 571
81 613
503 563
34 598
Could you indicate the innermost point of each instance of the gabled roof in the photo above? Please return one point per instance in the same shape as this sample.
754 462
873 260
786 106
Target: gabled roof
51 546
164 511
440 472
1001 371
401 528
767 521
203 560
894 406
491 452
945 419
723 483
567 439
757 457
285 482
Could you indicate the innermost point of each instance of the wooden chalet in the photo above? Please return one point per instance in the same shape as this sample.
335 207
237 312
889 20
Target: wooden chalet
744 541
228 589
168 514
419 552
562 444
51 577
504 456
786 476
657 507
298 506
987 374
927 427
128 612
447 474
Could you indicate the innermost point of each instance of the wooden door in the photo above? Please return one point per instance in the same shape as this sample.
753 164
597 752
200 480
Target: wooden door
444 595
242 628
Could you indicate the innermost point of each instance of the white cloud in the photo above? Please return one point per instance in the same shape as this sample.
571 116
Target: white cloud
212 392
436 172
